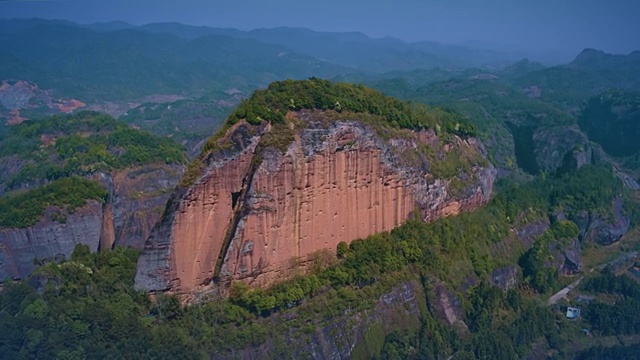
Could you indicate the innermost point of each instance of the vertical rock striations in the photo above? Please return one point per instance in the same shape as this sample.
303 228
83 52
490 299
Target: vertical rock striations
183 249
260 213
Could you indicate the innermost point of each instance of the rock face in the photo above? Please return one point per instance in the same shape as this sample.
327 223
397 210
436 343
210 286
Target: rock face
602 230
569 257
566 256
136 199
506 277
259 214
561 147
48 240
446 305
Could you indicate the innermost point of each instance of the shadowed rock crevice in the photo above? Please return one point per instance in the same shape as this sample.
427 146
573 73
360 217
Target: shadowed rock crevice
238 199
523 141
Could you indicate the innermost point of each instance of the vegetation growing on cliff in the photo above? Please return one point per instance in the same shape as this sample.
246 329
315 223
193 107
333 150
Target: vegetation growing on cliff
451 242
343 101
81 144
87 306
25 209
272 103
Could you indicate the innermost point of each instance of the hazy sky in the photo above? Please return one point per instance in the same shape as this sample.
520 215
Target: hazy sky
534 25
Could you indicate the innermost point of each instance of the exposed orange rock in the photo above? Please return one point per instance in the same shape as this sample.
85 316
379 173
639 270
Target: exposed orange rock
68 106
261 217
203 221
15 118
183 249
313 203
108 234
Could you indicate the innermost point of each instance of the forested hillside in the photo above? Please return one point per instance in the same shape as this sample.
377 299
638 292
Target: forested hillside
124 145
87 306
82 144
85 179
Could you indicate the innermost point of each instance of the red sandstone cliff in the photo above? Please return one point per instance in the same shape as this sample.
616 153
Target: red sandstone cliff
259 214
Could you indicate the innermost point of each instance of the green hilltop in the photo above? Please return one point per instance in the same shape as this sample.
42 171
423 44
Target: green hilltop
53 155
81 144
271 104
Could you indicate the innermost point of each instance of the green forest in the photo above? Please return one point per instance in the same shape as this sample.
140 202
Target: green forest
26 208
86 307
273 102
81 144
562 139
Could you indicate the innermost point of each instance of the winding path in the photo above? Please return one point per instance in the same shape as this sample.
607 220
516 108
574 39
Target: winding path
564 292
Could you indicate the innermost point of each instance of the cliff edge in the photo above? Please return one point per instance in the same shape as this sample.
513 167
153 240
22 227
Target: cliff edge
282 184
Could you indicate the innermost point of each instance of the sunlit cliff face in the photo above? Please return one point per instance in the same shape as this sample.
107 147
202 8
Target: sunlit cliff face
262 218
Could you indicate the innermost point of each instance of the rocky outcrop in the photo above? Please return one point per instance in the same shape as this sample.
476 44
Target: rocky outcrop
603 230
565 254
48 240
136 199
528 233
568 257
199 218
446 305
505 277
561 147
258 213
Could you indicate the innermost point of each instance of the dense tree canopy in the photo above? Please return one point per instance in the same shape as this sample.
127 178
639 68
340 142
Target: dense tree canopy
81 144
25 209
272 103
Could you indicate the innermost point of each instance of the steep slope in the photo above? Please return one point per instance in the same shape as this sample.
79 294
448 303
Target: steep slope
46 224
54 170
301 167
420 279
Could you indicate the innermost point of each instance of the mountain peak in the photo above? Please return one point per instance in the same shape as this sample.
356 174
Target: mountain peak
588 55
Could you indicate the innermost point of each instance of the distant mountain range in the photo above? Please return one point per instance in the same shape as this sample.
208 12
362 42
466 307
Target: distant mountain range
350 49
182 81
51 66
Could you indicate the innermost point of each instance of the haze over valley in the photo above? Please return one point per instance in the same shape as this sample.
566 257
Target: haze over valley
327 181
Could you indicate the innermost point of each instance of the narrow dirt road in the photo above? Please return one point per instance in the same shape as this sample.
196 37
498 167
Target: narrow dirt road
562 293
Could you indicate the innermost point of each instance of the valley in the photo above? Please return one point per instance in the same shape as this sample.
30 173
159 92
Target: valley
289 193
